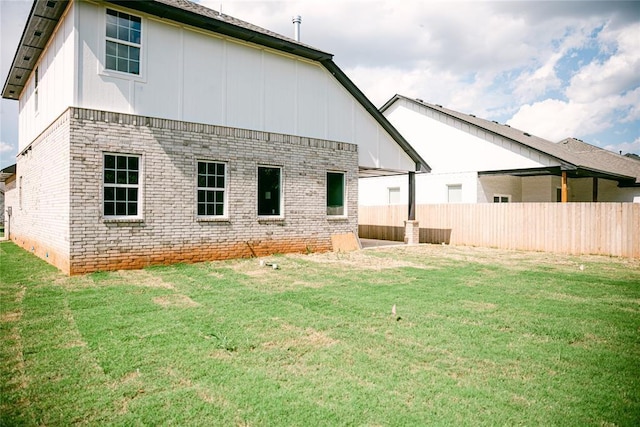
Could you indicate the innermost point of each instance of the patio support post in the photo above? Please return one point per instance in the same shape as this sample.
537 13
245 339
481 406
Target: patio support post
412 196
411 226
595 190
564 187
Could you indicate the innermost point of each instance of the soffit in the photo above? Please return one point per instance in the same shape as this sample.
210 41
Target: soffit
43 19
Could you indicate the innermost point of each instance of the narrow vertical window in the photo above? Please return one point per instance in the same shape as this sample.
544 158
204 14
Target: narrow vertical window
454 193
35 92
394 195
123 42
121 185
20 193
335 193
212 184
269 191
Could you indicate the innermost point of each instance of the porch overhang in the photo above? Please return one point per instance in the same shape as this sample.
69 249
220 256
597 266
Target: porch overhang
571 172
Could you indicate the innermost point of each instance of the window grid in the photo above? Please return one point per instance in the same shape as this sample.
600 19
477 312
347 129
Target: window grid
211 188
501 198
123 32
121 185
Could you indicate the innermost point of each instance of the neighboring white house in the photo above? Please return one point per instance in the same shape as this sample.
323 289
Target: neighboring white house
161 131
479 161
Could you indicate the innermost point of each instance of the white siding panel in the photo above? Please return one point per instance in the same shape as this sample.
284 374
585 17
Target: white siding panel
447 148
97 90
55 87
312 99
366 134
161 94
203 72
244 86
279 94
340 107
193 76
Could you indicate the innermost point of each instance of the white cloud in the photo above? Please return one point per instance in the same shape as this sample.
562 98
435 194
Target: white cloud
625 147
5 148
615 74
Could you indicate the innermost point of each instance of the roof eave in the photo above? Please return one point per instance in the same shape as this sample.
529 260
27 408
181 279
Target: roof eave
220 26
42 21
421 164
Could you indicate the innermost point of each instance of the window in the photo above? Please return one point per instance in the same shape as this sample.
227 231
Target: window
212 181
454 193
122 51
269 190
35 92
20 193
558 194
335 193
121 185
499 198
394 195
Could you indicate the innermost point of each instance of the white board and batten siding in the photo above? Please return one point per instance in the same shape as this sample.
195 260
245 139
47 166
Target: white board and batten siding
55 90
195 76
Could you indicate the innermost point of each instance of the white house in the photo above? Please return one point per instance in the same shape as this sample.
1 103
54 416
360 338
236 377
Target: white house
156 131
478 161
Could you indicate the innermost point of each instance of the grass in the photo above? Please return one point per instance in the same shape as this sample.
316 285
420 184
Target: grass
480 337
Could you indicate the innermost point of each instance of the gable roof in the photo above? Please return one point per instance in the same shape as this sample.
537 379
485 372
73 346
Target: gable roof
576 156
45 15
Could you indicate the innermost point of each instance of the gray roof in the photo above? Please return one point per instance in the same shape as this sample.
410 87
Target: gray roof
572 153
45 15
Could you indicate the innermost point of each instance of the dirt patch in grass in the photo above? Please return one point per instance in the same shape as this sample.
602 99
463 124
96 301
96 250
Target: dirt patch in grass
144 279
307 338
479 306
14 316
175 300
365 260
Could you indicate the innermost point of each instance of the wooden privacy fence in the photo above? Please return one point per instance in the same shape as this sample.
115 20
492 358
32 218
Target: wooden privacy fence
570 228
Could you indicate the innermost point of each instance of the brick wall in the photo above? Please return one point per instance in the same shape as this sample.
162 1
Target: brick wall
39 195
170 230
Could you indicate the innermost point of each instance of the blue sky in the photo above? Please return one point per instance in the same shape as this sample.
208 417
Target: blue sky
555 69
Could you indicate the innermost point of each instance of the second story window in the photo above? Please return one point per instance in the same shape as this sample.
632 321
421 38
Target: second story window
35 93
123 42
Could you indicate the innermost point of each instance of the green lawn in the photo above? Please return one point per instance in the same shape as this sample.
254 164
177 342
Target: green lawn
480 337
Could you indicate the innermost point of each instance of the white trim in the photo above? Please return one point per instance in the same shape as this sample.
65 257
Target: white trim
102 51
281 206
139 216
344 194
225 201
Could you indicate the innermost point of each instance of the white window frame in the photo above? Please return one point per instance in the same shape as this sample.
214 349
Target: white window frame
500 197
102 63
344 194
138 216
451 187
280 215
394 190
223 189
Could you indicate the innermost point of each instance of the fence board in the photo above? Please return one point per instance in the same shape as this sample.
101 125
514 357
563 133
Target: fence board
570 228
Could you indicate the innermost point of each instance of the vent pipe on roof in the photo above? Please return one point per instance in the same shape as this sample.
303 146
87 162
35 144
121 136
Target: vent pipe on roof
297 20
